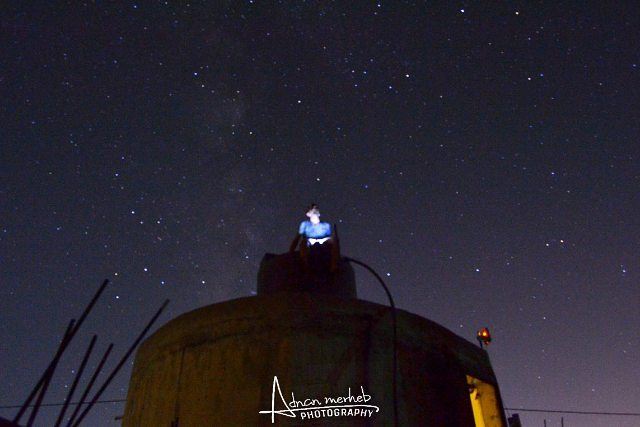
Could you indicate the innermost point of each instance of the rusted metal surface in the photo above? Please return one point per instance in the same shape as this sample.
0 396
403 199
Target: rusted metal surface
215 365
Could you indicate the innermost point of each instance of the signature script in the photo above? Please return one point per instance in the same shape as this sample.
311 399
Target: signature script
311 408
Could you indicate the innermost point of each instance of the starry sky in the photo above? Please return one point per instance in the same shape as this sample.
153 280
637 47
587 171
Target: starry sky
483 157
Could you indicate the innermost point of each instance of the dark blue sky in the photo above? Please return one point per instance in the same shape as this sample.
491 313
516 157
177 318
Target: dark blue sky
484 157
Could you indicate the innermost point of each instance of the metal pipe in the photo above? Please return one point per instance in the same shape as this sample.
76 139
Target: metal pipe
87 354
48 374
58 354
122 362
90 384
395 335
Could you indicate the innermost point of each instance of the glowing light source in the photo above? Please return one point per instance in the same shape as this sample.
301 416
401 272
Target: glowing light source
484 337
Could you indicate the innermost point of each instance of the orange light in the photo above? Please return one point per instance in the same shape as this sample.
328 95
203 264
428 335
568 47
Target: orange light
484 336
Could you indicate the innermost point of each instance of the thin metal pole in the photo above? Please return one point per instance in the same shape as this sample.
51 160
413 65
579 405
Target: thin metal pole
87 354
122 362
90 384
395 336
48 374
91 304
58 354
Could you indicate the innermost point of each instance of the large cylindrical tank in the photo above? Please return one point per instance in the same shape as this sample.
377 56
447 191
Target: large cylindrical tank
215 366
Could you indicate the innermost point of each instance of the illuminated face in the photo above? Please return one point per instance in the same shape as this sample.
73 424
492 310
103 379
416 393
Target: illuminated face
314 215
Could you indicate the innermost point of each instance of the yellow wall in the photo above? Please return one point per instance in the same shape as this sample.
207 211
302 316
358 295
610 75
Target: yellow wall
486 412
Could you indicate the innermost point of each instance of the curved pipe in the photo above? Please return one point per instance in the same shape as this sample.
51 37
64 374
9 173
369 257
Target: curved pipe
395 335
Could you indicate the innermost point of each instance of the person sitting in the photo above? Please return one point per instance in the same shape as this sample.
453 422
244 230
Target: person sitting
312 231
311 234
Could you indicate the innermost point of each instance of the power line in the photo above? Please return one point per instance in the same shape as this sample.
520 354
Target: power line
550 411
62 403
557 411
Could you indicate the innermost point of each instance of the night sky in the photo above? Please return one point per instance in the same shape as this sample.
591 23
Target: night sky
484 158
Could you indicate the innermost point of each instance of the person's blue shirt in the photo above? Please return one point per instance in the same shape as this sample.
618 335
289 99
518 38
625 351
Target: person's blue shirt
315 231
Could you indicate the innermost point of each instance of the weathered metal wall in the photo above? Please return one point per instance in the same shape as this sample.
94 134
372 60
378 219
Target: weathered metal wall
215 366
